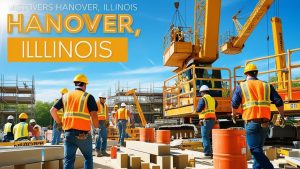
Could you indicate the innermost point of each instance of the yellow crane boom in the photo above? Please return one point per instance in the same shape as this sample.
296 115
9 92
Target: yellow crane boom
138 106
235 44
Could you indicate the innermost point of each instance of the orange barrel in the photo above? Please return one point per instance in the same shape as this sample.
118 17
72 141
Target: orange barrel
229 148
163 136
147 135
113 152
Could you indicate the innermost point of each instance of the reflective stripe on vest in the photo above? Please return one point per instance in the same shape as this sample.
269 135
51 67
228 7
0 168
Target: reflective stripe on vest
256 99
76 113
21 130
123 114
101 111
209 110
7 128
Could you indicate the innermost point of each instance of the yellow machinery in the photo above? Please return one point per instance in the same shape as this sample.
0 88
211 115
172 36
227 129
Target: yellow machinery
138 106
24 143
235 44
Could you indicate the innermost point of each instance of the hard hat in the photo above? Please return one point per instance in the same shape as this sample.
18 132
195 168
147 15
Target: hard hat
63 90
81 78
204 88
23 116
102 95
32 121
123 105
250 67
116 106
10 117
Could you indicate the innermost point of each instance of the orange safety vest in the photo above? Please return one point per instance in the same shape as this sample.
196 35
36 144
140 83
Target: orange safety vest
256 99
102 111
210 108
122 114
60 112
76 112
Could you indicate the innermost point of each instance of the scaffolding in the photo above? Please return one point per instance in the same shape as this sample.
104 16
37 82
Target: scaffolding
16 96
150 99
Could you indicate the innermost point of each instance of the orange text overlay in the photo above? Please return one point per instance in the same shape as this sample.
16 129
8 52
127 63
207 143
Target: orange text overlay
67 49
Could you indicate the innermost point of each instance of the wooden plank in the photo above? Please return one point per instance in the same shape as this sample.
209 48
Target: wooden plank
8 167
145 165
146 157
51 164
122 159
271 153
165 162
151 148
294 161
180 161
29 166
135 162
17 154
154 166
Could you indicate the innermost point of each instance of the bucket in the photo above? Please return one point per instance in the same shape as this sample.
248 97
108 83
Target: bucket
113 152
147 134
163 136
229 148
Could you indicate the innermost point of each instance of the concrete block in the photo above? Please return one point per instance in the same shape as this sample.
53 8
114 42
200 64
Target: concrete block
8 167
165 162
53 153
135 162
61 164
51 164
17 154
146 157
29 166
145 165
151 148
122 160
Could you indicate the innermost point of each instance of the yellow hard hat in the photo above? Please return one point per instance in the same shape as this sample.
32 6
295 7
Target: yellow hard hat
81 78
116 106
23 116
63 90
250 67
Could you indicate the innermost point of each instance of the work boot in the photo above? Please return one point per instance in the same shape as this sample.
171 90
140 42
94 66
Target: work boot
98 153
104 153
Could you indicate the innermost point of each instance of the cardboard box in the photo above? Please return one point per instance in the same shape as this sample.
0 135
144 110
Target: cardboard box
20 156
151 148
135 162
29 166
122 159
165 162
51 164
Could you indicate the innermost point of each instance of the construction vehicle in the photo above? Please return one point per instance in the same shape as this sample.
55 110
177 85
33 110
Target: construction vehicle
138 106
193 58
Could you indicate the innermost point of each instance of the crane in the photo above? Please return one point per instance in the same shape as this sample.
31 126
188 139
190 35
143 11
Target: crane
138 106
235 44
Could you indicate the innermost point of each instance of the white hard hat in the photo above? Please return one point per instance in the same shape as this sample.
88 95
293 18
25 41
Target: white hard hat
10 117
103 95
204 88
123 105
32 121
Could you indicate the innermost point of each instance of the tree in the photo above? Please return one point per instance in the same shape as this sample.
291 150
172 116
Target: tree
42 113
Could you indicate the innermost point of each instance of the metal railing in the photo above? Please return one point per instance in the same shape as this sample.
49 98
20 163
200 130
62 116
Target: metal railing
177 34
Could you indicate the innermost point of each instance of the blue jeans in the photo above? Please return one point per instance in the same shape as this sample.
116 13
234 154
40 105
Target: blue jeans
256 136
101 141
122 130
8 137
70 147
205 133
55 135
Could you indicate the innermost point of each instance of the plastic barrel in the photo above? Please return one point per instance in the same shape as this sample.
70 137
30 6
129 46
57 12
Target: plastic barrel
163 136
113 152
229 148
147 134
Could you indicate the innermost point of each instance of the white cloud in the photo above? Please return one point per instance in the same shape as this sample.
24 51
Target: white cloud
53 82
68 69
151 61
123 66
145 70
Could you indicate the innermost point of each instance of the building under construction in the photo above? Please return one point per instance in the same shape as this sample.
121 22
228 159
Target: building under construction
16 96
149 98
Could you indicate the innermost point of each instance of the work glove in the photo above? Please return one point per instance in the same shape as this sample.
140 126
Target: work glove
59 126
234 117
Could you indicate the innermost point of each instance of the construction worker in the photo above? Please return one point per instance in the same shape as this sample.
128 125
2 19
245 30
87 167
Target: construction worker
101 140
80 109
121 118
56 132
35 131
113 112
255 96
21 130
8 129
206 109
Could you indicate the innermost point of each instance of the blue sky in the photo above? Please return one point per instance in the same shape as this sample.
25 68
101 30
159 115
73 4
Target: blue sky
145 52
